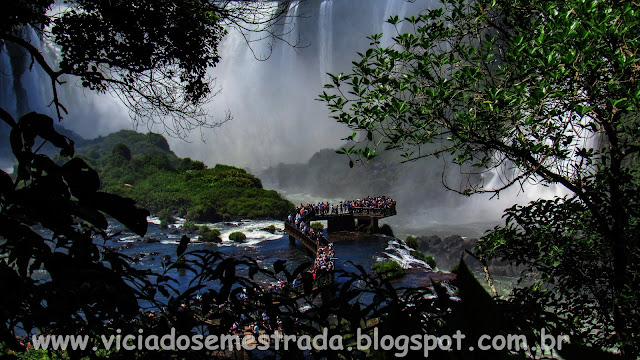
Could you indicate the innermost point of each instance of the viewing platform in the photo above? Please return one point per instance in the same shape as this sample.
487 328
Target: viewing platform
353 219
296 234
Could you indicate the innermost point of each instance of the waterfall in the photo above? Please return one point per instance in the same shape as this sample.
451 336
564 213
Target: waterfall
401 253
7 102
276 118
275 115
8 99
290 28
325 34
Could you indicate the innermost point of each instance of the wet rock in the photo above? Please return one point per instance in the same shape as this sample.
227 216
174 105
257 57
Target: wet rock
448 251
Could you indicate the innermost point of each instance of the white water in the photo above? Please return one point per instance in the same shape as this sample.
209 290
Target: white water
275 115
401 253
253 229
325 32
276 118
7 98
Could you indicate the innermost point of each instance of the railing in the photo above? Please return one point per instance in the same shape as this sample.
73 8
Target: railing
367 211
304 239
389 211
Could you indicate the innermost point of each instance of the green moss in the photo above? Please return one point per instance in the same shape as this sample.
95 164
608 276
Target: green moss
411 242
189 226
388 269
237 236
211 235
317 226
424 257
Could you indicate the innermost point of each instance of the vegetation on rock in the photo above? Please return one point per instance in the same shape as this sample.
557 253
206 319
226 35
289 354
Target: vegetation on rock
411 242
317 226
388 269
424 257
210 235
540 92
237 236
167 185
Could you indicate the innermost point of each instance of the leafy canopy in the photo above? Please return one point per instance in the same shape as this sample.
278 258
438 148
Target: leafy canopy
153 55
536 91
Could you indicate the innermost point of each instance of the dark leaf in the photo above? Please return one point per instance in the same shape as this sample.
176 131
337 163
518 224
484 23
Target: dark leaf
82 179
34 124
570 351
307 283
6 184
279 266
122 209
182 247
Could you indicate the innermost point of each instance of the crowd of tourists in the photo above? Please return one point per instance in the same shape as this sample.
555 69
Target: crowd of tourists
344 207
325 259
300 221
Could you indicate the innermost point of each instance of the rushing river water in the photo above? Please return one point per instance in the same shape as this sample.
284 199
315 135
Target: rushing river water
264 247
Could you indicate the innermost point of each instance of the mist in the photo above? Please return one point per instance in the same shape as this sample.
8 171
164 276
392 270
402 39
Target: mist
275 115
276 119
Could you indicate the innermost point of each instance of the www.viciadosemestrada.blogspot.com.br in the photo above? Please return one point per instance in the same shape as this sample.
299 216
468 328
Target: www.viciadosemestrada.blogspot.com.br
400 344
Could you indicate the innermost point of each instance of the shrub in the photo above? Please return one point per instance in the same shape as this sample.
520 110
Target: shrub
237 236
121 150
165 215
271 228
424 257
164 224
189 226
388 269
411 242
212 235
204 228
317 226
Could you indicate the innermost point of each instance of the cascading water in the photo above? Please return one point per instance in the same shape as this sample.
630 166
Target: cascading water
8 99
325 33
401 253
276 119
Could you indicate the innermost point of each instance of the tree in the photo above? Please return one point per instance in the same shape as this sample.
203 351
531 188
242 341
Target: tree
152 55
540 92
121 150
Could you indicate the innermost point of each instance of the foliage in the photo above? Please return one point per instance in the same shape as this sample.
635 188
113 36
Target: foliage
411 242
86 285
210 235
157 67
187 164
153 178
317 226
139 144
424 257
388 269
121 150
189 226
271 228
88 281
237 236
542 92
166 216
